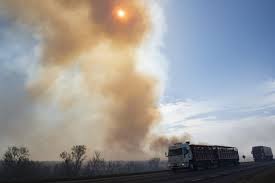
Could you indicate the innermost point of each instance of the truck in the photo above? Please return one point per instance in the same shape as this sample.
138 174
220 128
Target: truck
186 155
262 153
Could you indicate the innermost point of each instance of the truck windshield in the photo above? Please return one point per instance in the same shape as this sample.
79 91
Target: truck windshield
175 152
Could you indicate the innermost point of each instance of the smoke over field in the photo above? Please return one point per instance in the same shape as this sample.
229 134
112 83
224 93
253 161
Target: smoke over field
89 72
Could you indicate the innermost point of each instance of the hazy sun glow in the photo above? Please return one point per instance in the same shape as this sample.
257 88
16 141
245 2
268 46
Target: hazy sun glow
121 13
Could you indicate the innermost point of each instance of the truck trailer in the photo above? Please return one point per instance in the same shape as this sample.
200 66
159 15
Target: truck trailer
262 153
186 155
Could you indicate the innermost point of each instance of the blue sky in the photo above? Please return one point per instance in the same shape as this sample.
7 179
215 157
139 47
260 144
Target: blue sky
219 47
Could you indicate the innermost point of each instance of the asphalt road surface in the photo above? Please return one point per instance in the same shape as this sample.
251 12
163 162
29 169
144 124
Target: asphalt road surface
223 175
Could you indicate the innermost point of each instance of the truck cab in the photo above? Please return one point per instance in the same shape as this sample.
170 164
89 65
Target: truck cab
179 155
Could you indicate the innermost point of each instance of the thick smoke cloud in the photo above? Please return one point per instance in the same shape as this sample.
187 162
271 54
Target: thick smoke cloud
159 145
86 41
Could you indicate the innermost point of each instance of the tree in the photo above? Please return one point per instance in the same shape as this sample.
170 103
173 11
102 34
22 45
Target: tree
96 165
73 160
16 162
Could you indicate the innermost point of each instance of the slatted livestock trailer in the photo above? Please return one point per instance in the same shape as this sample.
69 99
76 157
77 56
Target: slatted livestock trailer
184 155
262 153
207 155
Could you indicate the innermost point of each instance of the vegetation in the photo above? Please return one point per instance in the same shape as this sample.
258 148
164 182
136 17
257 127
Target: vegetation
96 165
72 161
16 164
154 163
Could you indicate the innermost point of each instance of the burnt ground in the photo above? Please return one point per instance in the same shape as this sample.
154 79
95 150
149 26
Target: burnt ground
250 172
265 174
244 173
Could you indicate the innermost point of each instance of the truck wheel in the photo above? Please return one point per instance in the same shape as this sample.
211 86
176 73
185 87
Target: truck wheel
192 166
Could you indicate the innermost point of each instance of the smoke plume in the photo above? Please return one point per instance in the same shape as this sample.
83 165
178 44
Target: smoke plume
159 145
89 58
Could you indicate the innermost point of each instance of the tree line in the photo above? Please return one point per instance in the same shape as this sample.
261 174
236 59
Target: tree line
17 164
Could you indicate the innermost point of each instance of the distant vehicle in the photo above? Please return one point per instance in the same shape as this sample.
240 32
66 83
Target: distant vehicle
186 155
262 153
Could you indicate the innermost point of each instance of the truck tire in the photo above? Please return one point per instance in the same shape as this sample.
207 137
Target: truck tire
192 166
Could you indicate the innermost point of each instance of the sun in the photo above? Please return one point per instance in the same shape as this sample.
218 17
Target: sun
121 13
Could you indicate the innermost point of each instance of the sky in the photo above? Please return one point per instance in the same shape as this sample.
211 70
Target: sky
219 47
221 71
220 75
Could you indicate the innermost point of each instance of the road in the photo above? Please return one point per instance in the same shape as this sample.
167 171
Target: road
226 174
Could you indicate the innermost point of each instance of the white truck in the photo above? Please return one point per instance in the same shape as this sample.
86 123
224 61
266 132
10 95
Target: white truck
186 155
